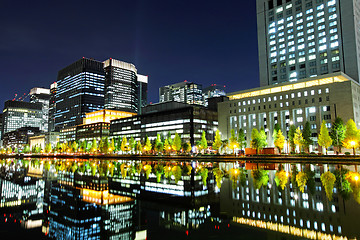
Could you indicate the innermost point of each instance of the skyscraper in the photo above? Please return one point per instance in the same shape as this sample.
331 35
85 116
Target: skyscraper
142 91
300 39
42 95
186 92
121 86
80 89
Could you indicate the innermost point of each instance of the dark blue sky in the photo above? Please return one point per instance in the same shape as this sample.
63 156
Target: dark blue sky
170 41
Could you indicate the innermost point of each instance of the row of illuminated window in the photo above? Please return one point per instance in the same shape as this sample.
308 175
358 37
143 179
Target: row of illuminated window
281 97
332 18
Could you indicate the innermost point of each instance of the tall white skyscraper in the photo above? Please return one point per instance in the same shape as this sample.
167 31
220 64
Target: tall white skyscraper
307 38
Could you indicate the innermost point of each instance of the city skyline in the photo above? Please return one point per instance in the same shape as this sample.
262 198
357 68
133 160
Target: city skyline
170 43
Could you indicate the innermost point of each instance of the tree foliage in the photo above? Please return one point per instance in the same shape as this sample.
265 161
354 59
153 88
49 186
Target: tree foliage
324 138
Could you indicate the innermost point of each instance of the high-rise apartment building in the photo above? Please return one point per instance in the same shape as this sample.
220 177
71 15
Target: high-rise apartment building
80 89
42 95
121 84
186 92
17 114
300 39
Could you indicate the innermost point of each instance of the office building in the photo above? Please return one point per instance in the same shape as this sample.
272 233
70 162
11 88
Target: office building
189 121
301 39
17 114
80 89
123 87
52 107
44 139
185 92
42 95
19 137
314 100
214 90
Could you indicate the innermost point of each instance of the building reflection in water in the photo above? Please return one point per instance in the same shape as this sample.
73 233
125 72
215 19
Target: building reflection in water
81 207
306 214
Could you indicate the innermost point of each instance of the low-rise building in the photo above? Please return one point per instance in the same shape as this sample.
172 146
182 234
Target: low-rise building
313 99
189 121
43 139
19 137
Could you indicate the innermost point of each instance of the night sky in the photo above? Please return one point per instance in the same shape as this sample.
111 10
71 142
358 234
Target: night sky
170 41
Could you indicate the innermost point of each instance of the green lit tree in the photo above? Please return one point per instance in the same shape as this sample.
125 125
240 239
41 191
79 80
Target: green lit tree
352 136
306 134
48 148
176 145
298 138
241 139
217 141
159 145
324 138
233 141
337 133
186 147
279 140
291 135
147 146
94 146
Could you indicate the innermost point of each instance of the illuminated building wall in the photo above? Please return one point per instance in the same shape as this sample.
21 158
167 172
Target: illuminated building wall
142 91
212 91
301 39
19 137
80 213
290 211
313 100
17 114
42 95
105 115
93 130
24 191
67 134
80 90
187 120
185 92
121 83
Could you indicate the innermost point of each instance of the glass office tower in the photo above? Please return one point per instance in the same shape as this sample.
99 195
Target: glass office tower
80 89
121 83
300 39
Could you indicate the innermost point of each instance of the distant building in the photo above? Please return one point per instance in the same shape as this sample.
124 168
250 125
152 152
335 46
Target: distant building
67 134
52 107
42 95
142 91
17 114
189 121
185 92
92 131
212 91
80 89
19 137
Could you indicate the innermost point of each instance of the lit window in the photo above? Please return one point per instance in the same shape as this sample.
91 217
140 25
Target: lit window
312 92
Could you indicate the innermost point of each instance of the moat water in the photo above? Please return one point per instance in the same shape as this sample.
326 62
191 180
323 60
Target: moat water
123 199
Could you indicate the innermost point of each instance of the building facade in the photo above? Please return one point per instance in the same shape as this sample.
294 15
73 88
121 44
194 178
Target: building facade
185 92
301 39
17 114
189 121
214 90
19 137
80 89
313 100
121 83
42 95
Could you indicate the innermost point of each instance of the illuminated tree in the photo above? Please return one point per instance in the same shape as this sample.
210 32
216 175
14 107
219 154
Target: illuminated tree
186 147
176 143
94 146
124 145
337 133
138 147
260 177
167 146
291 135
233 143
298 139
112 145
281 178
147 146
352 136
217 141
306 134
203 142
132 144
159 146
48 148
324 138
279 140
241 139
301 179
